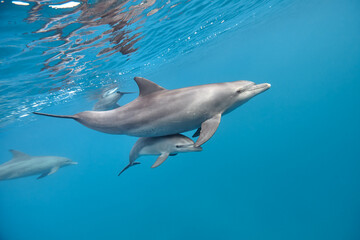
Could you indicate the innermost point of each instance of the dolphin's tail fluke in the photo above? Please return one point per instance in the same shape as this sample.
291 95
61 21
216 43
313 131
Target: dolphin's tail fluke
57 116
129 165
125 92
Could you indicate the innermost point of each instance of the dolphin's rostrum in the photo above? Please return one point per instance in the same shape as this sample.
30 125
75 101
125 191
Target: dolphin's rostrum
23 165
161 112
164 146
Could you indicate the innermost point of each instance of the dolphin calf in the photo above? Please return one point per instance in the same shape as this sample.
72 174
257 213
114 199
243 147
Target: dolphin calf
160 112
109 100
164 146
23 165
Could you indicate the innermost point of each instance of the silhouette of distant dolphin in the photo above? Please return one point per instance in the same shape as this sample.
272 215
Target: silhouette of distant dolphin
108 100
160 112
164 146
23 165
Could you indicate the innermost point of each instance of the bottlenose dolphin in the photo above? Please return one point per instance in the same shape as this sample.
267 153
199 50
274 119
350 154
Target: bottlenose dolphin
109 100
160 112
23 165
164 146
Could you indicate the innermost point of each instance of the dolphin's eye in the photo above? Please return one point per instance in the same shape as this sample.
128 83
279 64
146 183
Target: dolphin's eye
178 146
239 91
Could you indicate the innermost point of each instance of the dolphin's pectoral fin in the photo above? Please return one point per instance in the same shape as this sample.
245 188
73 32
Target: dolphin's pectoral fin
197 133
173 154
53 170
146 86
208 128
160 159
43 175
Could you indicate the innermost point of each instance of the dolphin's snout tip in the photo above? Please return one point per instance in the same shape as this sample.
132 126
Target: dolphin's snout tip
199 148
196 146
264 86
74 163
259 88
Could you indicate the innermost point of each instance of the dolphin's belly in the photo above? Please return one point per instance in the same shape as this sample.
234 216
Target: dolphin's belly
162 126
160 121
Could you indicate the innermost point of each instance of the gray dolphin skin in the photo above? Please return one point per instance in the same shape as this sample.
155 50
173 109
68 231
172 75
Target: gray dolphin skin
161 112
164 146
23 165
108 100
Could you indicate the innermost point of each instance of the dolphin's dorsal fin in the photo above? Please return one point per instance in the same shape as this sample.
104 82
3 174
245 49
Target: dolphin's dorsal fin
146 86
160 159
17 155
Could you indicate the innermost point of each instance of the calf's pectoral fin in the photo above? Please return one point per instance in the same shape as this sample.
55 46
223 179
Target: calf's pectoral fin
208 128
160 159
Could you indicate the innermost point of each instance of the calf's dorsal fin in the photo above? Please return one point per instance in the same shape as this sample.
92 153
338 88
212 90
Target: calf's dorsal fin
18 156
146 86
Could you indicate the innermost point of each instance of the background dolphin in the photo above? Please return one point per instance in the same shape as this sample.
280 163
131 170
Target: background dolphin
164 146
161 112
108 100
23 165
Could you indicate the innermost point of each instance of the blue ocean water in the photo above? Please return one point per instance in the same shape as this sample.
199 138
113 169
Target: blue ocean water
283 166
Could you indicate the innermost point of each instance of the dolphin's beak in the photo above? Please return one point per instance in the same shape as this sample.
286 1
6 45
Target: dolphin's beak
74 163
259 88
111 91
191 148
197 149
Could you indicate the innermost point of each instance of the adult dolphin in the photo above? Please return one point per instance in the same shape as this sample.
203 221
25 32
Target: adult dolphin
23 165
164 146
160 112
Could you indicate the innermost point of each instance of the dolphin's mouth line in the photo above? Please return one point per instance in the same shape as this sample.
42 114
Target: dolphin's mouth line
191 145
259 86
186 145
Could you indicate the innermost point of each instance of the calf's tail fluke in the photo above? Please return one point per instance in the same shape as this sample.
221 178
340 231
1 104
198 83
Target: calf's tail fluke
129 165
53 115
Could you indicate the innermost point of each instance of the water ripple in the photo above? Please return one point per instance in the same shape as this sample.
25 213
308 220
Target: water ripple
53 50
